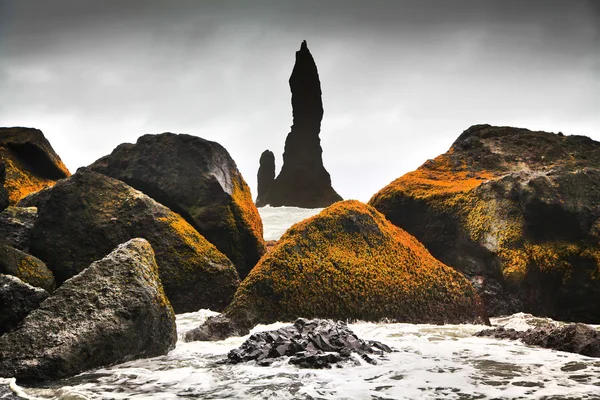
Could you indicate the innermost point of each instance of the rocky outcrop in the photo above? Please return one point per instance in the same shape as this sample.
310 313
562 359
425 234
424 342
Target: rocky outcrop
517 212
266 176
30 161
3 192
309 343
199 180
26 267
303 180
15 226
82 218
350 263
113 311
17 300
573 338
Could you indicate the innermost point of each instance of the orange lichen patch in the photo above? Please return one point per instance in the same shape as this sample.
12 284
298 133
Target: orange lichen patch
349 262
19 180
242 200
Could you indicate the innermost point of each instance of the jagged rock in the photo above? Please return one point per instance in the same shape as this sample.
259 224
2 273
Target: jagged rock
113 311
17 300
26 267
309 343
30 161
303 180
266 176
87 215
15 226
516 212
350 263
573 338
199 180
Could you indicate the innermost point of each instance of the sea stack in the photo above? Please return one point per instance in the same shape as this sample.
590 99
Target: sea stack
303 180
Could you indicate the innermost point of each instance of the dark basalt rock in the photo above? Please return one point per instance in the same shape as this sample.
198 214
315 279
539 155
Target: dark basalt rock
84 217
309 343
266 176
15 226
303 180
114 311
199 180
26 267
17 300
3 192
573 338
218 327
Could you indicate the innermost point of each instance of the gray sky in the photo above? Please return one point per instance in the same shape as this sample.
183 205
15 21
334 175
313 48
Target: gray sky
400 79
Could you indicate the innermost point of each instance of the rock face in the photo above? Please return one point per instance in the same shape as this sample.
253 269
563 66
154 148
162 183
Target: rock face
3 192
310 344
198 180
82 218
303 180
517 212
113 311
17 300
15 226
573 338
266 176
26 267
31 163
350 263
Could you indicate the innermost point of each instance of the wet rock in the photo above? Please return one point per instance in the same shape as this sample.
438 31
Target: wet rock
15 226
87 215
17 300
309 343
199 180
266 176
26 267
113 311
515 211
217 327
573 338
30 161
303 180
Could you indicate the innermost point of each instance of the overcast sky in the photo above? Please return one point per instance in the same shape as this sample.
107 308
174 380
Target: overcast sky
400 79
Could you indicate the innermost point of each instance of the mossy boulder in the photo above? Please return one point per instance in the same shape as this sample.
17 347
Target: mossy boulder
26 267
15 226
113 311
349 263
17 300
82 218
199 180
517 212
30 161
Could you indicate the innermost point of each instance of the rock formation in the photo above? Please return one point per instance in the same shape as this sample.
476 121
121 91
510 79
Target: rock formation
266 176
30 161
303 180
17 300
26 267
199 180
517 212
82 218
15 226
347 263
114 311
4 201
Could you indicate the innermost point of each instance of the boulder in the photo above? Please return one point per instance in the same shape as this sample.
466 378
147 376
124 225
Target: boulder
266 176
113 311
30 161
87 215
26 267
15 226
349 263
573 338
3 192
17 300
514 210
199 180
303 180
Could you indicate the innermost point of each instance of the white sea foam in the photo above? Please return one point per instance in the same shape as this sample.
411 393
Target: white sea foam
276 220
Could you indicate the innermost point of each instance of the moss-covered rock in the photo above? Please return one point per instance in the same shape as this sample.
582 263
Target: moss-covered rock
349 262
26 267
30 161
82 218
517 212
199 180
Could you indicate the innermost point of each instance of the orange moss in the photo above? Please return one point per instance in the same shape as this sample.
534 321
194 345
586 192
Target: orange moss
19 180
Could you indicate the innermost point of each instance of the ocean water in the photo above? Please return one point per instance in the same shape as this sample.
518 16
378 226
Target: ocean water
431 362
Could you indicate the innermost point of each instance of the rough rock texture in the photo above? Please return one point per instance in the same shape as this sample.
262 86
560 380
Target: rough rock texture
266 176
573 338
349 263
7 394
15 226
517 212
115 310
87 215
199 180
309 343
303 180
3 192
26 267
17 300
30 161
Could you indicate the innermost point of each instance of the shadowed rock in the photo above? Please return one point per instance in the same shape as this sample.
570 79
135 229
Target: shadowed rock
17 300
15 226
266 176
3 192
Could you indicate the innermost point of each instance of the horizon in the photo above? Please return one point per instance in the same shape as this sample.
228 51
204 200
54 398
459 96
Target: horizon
400 80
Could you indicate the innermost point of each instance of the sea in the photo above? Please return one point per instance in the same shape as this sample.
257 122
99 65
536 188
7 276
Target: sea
430 362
